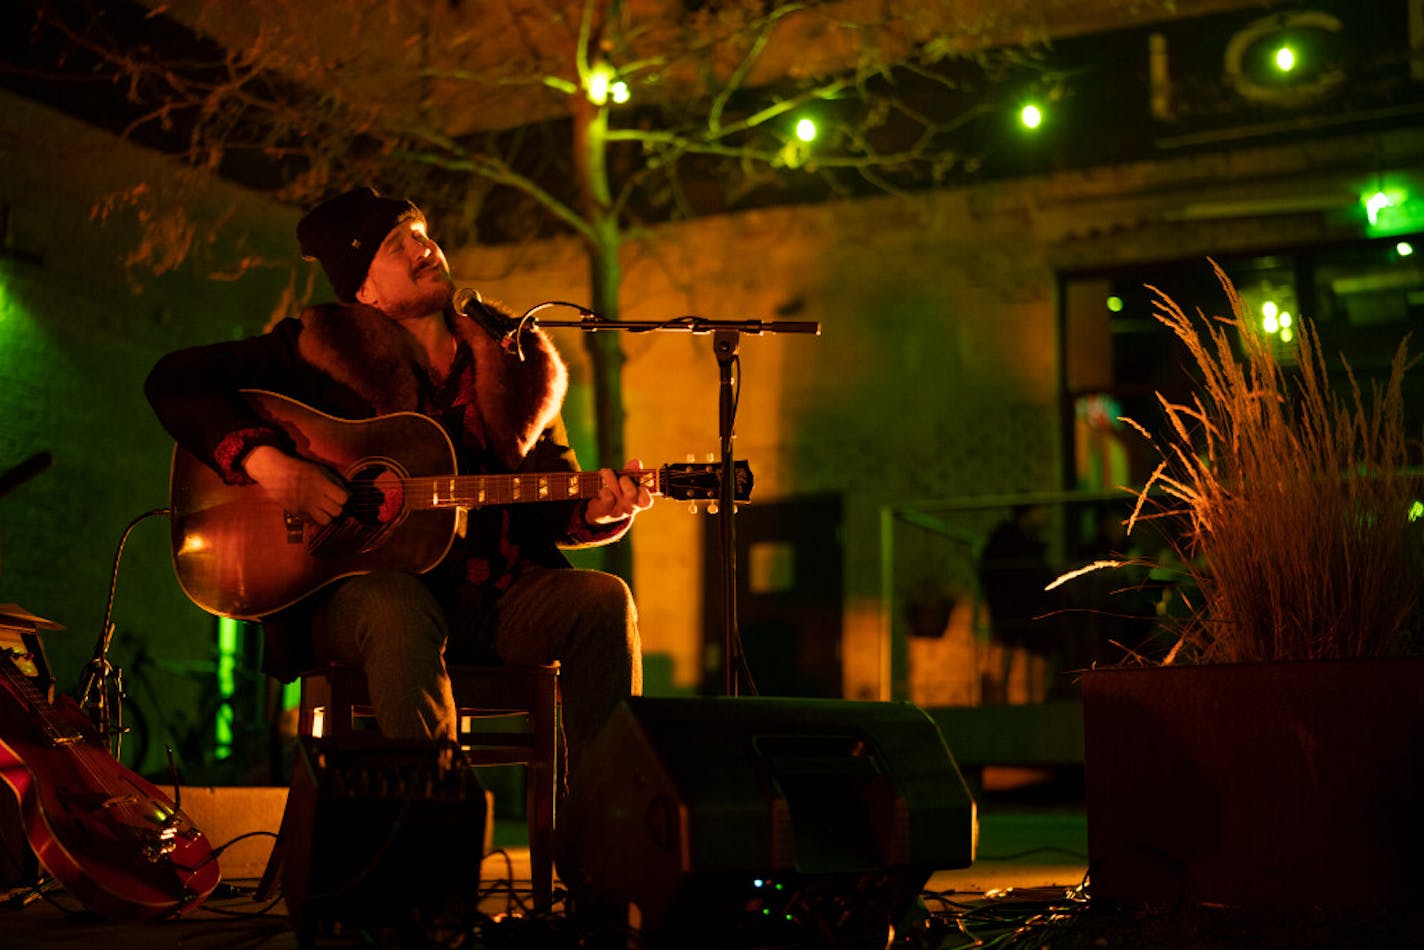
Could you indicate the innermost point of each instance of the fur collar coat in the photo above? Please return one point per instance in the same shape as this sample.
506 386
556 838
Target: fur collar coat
515 401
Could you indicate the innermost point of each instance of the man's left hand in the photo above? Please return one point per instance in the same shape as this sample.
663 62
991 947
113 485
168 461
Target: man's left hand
621 496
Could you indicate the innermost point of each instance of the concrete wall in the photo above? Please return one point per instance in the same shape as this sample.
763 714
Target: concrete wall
922 383
936 376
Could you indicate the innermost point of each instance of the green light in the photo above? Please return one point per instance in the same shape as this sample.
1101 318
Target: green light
1287 334
1404 249
1285 320
1378 202
1285 59
619 91
1392 211
227 685
1416 511
1270 324
1031 116
1115 303
806 130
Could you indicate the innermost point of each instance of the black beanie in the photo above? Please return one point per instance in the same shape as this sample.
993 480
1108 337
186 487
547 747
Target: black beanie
344 233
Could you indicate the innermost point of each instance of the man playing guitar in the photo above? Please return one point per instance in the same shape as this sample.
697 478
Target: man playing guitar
396 343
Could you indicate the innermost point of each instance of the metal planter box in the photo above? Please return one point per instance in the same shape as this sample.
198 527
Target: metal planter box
1273 784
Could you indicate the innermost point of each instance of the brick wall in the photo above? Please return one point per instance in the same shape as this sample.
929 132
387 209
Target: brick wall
78 333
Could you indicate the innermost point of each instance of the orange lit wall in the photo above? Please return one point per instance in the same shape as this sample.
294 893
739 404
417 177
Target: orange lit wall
935 376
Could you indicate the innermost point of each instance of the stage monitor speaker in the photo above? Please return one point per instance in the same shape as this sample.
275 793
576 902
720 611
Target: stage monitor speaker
750 821
381 838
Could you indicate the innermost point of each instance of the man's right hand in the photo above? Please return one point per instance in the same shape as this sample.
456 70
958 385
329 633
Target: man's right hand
300 487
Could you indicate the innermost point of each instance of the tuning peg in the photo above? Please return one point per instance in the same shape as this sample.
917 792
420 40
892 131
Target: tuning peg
712 508
691 457
711 456
692 507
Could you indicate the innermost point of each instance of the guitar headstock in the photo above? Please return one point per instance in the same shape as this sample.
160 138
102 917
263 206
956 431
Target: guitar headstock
702 481
20 660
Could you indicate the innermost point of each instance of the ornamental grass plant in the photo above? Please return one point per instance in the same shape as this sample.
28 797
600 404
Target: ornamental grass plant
1293 508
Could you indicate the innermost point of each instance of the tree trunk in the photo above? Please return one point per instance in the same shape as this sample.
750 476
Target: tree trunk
605 350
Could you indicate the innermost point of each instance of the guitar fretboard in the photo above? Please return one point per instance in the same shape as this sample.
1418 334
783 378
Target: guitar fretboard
28 694
476 491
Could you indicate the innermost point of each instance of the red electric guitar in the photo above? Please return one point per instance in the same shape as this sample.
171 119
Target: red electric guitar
111 838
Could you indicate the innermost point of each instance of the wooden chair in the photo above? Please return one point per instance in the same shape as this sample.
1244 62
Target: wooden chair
508 715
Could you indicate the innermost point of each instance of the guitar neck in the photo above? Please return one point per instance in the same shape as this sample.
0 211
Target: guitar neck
476 491
56 732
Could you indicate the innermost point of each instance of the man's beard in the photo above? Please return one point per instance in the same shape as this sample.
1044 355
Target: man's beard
427 299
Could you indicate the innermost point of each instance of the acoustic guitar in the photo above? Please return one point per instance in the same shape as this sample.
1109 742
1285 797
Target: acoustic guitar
111 838
238 554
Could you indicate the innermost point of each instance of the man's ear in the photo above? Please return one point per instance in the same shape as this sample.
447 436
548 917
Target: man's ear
365 295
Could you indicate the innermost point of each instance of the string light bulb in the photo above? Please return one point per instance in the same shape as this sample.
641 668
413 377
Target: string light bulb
600 82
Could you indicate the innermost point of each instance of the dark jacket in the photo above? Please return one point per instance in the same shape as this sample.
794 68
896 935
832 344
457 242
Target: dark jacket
351 362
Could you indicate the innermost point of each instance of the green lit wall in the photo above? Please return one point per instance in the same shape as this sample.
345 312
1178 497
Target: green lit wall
78 334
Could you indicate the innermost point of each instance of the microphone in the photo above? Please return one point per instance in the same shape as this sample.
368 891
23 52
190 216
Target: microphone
499 327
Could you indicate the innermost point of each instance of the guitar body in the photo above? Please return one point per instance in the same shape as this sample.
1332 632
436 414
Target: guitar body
107 835
238 554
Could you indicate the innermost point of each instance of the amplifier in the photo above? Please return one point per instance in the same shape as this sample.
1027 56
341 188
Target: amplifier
382 837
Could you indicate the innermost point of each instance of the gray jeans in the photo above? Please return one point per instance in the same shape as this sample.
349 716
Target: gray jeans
393 628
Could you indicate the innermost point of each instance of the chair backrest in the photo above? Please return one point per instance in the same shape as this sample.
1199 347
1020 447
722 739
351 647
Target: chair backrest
508 708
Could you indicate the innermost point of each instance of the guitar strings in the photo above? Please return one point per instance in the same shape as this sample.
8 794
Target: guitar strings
368 492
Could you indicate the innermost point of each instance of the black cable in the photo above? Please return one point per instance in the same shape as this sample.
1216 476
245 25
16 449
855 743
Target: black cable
118 555
736 386
22 898
213 855
1018 921
505 883
1046 849
264 911
98 674
41 890
515 337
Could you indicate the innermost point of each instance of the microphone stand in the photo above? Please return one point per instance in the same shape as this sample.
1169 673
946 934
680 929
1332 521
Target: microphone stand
726 345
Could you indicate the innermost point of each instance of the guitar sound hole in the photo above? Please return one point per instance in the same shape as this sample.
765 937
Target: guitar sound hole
377 497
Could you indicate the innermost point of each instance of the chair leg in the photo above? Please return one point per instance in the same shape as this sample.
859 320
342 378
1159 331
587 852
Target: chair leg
539 804
315 692
270 884
541 788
